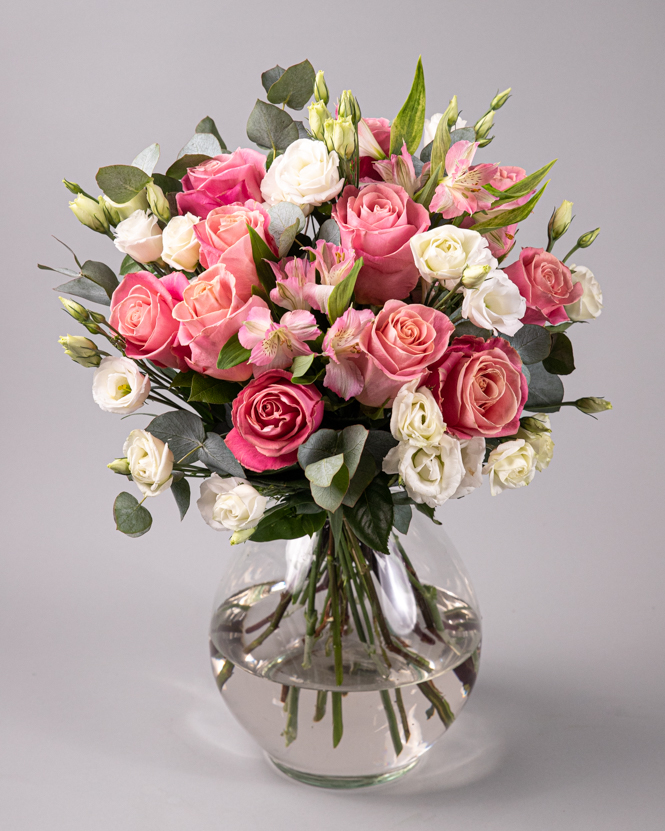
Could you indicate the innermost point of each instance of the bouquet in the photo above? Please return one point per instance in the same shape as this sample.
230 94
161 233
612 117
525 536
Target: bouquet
333 329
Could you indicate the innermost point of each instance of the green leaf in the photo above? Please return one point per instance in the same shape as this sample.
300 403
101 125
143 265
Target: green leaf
329 232
462 134
130 266
285 524
364 474
512 216
232 353
351 443
410 120
131 518
212 390
318 446
201 144
101 275
183 379
183 432
560 327
371 519
441 143
342 295
560 360
261 252
294 87
322 473
429 512
286 222
147 159
166 183
532 342
378 443
181 165
121 182
182 495
330 498
403 516
270 127
86 289
525 185
301 363
207 125
269 77
68 272
426 152
425 194
468 328
545 390
312 373
216 456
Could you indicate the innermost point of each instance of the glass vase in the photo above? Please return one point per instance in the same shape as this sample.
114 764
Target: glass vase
345 664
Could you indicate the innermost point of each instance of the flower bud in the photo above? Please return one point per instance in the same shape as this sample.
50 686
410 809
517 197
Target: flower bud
116 212
158 202
93 328
318 115
485 142
81 350
344 137
72 187
500 99
120 466
241 536
453 112
560 220
593 405
484 125
97 317
348 107
321 88
328 127
90 213
76 310
586 239
473 276
535 425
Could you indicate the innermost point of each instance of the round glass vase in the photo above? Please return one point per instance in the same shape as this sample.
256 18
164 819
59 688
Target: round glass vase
344 664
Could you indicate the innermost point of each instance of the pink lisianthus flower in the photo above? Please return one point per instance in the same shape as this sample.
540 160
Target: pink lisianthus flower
275 345
462 190
228 178
399 170
342 345
295 277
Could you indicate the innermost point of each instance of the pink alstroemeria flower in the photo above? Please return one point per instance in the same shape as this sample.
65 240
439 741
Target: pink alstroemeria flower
341 345
295 277
275 345
399 170
333 263
462 190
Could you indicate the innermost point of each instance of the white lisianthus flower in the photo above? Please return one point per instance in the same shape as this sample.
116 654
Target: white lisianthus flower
230 503
119 387
431 475
180 244
590 304
432 123
139 236
150 462
540 440
496 304
116 211
443 253
473 456
306 175
510 465
416 416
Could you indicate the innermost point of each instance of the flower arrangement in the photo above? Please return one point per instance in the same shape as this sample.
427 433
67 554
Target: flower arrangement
330 325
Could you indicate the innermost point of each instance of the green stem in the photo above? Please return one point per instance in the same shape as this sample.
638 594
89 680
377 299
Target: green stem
438 702
336 623
310 613
402 714
392 722
338 724
224 674
278 614
320 709
570 253
291 730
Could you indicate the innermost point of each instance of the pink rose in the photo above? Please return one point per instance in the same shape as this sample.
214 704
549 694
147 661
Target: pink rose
272 417
399 345
210 313
141 310
231 177
502 240
377 222
225 239
546 285
479 387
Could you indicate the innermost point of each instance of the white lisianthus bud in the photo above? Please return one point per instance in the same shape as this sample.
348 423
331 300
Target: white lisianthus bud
560 220
119 387
116 211
539 439
120 466
180 244
510 465
593 405
318 115
497 304
76 310
90 213
348 107
500 99
432 474
416 416
81 350
139 236
473 456
474 275
590 304
484 125
344 137
159 204
444 253
230 503
306 175
150 462
321 88
586 239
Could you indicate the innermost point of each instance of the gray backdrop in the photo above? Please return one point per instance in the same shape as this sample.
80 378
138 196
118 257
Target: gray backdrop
110 717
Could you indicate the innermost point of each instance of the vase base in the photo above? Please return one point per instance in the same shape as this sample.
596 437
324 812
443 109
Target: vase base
341 782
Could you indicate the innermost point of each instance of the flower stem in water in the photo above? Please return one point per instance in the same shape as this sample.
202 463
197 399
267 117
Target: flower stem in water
321 700
392 722
225 673
291 730
338 725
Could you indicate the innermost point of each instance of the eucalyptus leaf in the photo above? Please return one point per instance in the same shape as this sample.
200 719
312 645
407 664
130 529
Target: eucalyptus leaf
329 232
302 130
410 120
67 272
402 518
468 328
147 159
545 390
130 517
323 472
216 456
560 327
330 498
130 266
561 360
270 76
364 474
286 222
167 183
318 446
232 353
342 295
208 390
204 144
270 127
462 134
371 518
182 495
294 87
181 165
207 125
86 289
532 342
184 433
351 442
426 152
378 443
511 216
100 274
287 238
121 182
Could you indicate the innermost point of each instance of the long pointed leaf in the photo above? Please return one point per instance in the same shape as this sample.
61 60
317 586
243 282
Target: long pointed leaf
511 217
410 120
